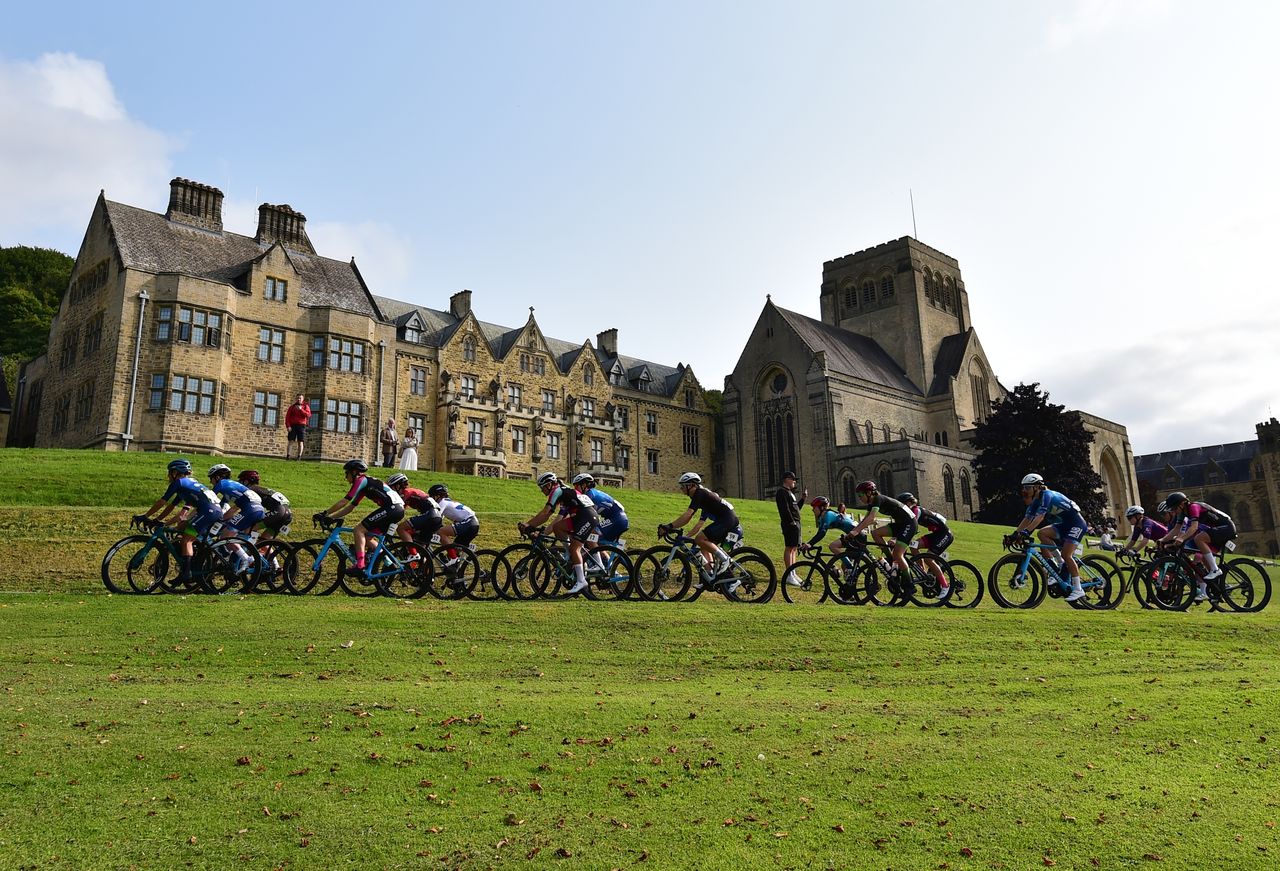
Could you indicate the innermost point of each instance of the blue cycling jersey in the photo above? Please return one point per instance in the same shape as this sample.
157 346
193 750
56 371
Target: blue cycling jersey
606 506
831 519
238 494
191 492
1054 506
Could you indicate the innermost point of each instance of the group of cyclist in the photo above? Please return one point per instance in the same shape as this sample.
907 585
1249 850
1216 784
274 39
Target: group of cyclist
1184 523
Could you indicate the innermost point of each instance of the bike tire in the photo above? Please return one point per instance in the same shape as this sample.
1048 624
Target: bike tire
1011 588
617 579
811 586
135 565
663 576
409 582
216 564
843 580
1258 580
456 580
756 576
1111 593
926 592
486 588
308 574
275 560
967 585
514 587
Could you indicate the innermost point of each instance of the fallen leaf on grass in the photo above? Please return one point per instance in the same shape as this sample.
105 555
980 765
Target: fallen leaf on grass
1049 863
563 853
346 645
966 852
838 827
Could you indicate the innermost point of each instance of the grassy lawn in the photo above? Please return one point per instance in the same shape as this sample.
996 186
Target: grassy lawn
265 732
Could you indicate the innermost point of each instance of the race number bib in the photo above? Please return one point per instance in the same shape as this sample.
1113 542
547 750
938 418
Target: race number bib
215 528
732 538
391 529
593 538
253 537
435 538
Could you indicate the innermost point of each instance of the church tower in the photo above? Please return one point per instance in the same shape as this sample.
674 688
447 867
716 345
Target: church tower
905 295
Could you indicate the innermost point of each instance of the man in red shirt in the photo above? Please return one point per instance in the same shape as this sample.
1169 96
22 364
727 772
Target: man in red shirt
296 419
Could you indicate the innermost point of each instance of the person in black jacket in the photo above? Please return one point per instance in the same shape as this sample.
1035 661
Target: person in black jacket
789 515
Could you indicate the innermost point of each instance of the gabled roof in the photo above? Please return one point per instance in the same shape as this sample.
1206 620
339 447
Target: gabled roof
849 353
1192 464
149 242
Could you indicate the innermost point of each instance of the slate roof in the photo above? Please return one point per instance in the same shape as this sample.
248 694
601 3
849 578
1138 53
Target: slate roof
151 243
1191 464
849 353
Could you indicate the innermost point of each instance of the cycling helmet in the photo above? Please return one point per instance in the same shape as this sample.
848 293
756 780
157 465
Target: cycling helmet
1162 507
906 497
690 478
1032 479
221 470
438 491
355 466
182 467
583 478
249 476
546 479
866 487
398 480
1134 511
1174 500
821 502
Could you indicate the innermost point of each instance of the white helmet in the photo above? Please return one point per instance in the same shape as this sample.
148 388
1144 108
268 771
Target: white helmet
547 478
690 478
1033 478
221 470
583 478
1134 511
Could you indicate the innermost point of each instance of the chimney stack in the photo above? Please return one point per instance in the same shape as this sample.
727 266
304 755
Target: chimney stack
282 224
195 204
607 341
460 304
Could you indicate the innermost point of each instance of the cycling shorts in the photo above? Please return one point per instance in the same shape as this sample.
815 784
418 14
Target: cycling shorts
612 530
378 521
244 520
200 523
936 542
465 532
277 520
904 530
716 532
1070 527
426 525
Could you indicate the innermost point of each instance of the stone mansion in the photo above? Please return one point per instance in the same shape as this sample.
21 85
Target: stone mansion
178 335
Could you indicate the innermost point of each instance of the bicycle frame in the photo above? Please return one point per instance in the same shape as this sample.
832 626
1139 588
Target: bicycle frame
334 540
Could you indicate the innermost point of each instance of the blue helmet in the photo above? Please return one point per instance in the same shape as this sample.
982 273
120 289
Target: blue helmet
182 467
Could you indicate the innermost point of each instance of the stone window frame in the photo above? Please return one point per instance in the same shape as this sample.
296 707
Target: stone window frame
342 416
189 325
275 289
467 385
548 402
519 439
191 394
553 445
652 461
691 438
270 345
690 398
61 415
70 349
651 423
624 457
475 432
345 355
84 401
948 484
469 348
587 407
93 333
597 450
266 408
588 375
515 394
417 380
966 488
624 417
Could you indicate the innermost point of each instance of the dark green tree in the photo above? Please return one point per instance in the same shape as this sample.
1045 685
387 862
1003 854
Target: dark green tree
1027 433
32 281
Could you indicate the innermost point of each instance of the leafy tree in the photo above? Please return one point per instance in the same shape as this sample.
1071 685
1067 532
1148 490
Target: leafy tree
32 281
1027 433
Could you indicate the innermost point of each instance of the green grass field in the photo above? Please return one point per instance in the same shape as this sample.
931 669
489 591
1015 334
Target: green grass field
264 732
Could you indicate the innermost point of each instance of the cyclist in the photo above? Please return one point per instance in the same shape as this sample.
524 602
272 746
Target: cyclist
427 522
244 508
1145 530
829 518
1204 526
902 524
613 516
464 524
390 508
934 542
578 522
723 521
278 516
198 501
1065 528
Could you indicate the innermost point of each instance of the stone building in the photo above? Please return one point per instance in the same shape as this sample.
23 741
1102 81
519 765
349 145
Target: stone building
887 386
1242 479
176 334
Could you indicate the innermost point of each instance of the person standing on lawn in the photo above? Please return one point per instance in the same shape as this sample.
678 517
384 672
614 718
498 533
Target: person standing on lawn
296 419
789 516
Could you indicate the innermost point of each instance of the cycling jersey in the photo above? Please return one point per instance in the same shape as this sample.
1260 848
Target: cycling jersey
419 501
456 512
831 519
377 491
1206 515
930 520
1149 529
613 516
239 495
891 508
1053 505
272 500
569 502
191 492
710 503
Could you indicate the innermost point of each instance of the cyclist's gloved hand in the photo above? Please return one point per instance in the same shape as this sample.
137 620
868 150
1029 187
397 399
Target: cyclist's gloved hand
520 526
140 520
319 517
663 529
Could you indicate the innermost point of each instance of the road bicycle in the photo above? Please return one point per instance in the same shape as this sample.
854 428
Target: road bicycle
539 568
148 563
327 564
1022 579
676 570
855 577
448 571
1172 581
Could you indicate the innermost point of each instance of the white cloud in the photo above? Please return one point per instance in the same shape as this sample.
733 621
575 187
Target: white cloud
383 254
1091 17
64 135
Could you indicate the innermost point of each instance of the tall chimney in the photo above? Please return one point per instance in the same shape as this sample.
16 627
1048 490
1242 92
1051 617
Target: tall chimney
460 304
607 341
195 204
282 224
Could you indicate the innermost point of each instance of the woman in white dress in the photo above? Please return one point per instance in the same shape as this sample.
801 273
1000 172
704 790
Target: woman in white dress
409 451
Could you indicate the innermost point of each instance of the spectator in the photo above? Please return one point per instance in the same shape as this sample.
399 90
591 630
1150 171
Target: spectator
409 451
1105 542
296 419
389 441
789 515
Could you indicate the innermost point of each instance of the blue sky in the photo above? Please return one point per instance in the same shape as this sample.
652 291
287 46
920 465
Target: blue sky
1104 171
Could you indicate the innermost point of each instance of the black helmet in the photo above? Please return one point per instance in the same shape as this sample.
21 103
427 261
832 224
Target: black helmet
355 466
438 491
250 477
1174 500
399 479
906 497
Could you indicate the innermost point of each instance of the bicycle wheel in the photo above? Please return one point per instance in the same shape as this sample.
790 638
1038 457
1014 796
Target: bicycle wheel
926 591
805 583
1101 580
1139 586
755 574
454 575
275 559
616 580
511 570
843 581
1171 584
135 565
1012 586
486 588
1245 576
398 572
663 576
228 565
967 585
306 572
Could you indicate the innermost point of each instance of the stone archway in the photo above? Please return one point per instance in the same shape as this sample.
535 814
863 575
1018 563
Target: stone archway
1113 488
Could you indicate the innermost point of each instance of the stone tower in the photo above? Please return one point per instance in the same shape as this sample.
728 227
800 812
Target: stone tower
905 295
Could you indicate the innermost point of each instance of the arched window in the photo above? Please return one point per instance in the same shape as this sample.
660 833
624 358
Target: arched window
1242 517
588 375
847 482
949 485
945 439
850 295
937 438
888 437
928 286
771 473
902 434
868 292
966 493
469 348
871 433
884 479
949 294
886 287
